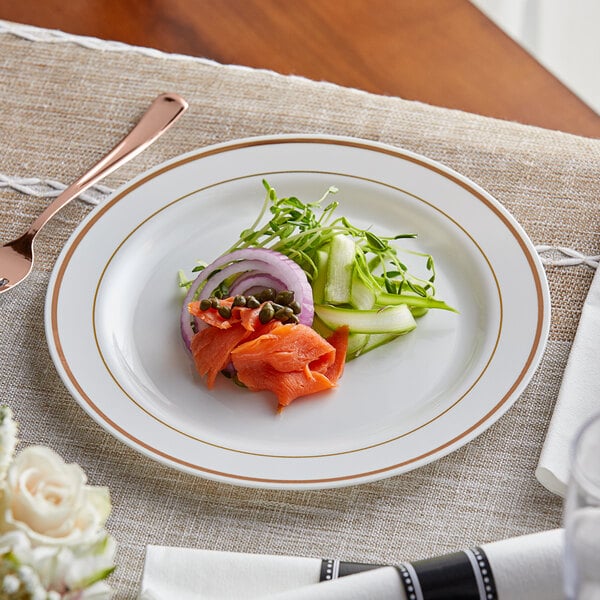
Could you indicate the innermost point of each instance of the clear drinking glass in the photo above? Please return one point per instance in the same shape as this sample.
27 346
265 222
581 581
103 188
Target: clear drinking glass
582 516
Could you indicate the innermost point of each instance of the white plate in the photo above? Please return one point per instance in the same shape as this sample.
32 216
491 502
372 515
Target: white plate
113 303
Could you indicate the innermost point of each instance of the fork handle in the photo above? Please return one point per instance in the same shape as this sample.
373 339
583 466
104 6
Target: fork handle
161 114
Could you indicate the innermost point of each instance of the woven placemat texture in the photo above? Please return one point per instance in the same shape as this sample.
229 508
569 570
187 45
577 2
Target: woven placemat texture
63 105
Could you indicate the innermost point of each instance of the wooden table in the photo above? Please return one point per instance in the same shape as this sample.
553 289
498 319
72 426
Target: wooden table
442 52
62 105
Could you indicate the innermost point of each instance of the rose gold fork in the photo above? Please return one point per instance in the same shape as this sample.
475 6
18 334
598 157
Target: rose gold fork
16 257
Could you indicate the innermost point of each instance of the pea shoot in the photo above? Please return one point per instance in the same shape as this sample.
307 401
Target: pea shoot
301 230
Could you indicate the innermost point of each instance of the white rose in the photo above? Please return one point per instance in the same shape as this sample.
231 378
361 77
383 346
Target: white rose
49 500
76 572
8 439
54 572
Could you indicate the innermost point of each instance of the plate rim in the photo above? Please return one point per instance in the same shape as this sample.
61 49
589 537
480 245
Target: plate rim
496 411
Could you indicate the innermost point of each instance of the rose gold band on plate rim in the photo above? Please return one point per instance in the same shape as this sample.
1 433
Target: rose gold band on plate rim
295 456
266 141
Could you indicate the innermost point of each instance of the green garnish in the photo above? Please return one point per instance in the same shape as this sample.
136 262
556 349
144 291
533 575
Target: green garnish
356 275
300 230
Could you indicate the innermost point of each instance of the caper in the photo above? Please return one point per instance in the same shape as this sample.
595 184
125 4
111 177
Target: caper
295 306
266 313
236 380
283 314
214 302
239 301
285 297
224 311
267 294
293 319
205 304
252 302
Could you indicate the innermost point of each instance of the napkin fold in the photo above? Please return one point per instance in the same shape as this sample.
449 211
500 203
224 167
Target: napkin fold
190 574
377 584
578 398
526 567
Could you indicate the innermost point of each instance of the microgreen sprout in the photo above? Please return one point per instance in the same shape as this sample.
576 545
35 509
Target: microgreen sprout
299 230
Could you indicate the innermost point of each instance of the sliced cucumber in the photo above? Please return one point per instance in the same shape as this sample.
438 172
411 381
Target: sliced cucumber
340 265
321 328
412 300
356 344
361 295
418 311
390 319
318 284
378 339
361 343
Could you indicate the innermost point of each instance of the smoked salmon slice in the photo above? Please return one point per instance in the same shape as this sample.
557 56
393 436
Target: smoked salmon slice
290 361
286 386
339 340
211 349
248 317
287 348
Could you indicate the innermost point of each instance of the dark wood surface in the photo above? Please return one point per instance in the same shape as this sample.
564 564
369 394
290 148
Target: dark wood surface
442 52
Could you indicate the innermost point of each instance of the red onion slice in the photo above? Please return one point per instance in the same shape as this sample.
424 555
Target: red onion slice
249 262
254 281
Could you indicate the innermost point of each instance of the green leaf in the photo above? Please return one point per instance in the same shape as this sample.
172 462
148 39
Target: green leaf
389 286
95 577
375 242
416 288
301 230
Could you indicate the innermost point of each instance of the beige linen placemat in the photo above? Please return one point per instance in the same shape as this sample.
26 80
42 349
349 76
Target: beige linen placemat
65 101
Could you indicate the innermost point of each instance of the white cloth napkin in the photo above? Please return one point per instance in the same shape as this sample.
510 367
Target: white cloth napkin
524 568
578 399
191 574
378 584
528 567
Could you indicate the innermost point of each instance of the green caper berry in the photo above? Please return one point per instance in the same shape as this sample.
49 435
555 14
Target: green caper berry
252 302
214 302
205 304
267 294
239 301
236 380
293 319
224 311
295 306
285 297
283 314
266 313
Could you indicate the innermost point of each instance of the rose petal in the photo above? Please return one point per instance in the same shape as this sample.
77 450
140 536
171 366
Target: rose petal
50 501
